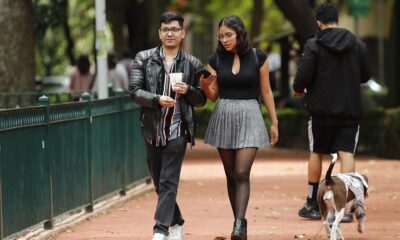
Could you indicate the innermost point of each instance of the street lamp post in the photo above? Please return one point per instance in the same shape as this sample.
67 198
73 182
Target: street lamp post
101 49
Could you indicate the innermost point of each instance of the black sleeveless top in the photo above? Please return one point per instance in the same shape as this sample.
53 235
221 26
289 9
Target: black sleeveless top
246 83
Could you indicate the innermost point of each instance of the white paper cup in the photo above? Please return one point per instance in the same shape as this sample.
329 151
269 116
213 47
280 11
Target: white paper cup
174 78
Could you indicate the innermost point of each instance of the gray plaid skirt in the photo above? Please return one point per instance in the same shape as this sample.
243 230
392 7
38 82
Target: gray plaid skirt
237 124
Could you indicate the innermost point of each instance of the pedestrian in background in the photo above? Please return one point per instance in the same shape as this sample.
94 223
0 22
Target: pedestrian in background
81 77
333 65
117 76
126 61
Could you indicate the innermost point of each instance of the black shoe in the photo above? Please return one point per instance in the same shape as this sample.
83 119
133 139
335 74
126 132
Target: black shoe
239 231
309 211
347 218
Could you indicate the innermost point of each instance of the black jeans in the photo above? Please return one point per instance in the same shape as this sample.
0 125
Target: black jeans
165 165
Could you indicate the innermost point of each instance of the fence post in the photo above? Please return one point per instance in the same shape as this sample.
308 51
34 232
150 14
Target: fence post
120 94
86 97
44 101
1 201
1 194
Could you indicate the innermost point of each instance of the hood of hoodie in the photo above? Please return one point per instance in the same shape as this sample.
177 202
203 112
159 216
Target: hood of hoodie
338 40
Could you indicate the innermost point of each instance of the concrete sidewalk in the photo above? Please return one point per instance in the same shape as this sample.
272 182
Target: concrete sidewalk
278 183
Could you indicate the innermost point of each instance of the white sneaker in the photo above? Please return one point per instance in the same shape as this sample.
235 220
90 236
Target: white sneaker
176 232
159 236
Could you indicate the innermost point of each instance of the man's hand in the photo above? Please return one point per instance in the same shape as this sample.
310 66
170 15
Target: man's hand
299 94
180 88
167 102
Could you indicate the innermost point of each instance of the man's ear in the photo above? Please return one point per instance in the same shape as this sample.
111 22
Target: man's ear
184 33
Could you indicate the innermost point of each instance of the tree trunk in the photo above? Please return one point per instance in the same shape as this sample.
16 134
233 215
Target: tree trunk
154 9
285 57
299 13
67 32
137 26
144 22
256 19
142 19
117 12
17 66
393 78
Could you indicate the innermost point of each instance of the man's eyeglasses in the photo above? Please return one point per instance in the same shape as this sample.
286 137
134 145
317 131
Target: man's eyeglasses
173 30
225 36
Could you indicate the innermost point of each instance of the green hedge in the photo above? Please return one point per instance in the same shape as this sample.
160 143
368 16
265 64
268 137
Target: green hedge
379 130
380 133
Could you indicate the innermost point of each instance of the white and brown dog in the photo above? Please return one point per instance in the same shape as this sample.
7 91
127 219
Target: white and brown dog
337 195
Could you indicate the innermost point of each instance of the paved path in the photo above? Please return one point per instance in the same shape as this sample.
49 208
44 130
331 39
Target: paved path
278 184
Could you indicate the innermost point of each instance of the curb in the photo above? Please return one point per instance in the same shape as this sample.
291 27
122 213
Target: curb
74 217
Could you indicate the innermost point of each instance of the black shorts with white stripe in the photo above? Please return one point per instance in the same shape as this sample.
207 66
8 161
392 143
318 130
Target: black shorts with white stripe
326 139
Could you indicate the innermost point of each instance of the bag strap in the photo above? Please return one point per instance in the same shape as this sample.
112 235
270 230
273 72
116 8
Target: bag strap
256 57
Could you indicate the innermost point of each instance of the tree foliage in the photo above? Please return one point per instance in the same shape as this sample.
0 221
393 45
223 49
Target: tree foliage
66 28
271 19
63 30
300 14
134 23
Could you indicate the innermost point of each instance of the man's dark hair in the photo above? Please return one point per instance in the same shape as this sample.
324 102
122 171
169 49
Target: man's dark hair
168 17
327 13
236 24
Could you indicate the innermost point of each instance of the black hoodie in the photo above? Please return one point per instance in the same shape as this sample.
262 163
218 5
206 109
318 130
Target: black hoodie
331 69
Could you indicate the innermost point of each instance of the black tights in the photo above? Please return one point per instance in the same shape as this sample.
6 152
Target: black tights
237 165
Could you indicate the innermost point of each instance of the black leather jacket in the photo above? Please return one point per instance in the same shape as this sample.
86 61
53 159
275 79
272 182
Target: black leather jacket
145 89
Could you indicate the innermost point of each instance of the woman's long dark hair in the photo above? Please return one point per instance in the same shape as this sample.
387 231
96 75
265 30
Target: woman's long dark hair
236 24
83 64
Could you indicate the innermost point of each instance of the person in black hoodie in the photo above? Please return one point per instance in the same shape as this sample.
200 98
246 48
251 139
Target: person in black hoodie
333 65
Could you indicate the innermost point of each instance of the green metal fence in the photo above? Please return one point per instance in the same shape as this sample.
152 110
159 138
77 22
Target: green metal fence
57 158
27 99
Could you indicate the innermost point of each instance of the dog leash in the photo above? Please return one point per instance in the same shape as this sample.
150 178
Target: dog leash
316 235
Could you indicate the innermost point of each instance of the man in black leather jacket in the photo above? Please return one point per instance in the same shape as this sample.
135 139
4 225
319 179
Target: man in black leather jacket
164 84
332 67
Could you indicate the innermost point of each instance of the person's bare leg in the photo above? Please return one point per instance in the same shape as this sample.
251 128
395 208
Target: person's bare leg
314 167
311 209
347 163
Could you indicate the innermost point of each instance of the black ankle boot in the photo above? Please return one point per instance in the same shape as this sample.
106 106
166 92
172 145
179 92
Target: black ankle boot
239 231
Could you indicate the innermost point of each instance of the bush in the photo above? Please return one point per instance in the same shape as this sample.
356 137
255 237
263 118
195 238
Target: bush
371 132
379 130
292 125
292 128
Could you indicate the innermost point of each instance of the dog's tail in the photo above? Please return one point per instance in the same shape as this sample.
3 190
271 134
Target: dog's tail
328 177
